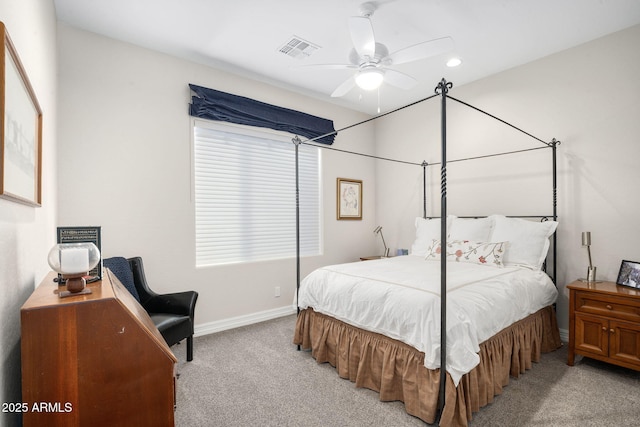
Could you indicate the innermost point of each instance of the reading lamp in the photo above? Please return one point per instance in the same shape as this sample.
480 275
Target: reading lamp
591 270
73 261
378 230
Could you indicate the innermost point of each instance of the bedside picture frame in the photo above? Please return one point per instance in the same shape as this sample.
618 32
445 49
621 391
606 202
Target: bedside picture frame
21 131
349 199
629 274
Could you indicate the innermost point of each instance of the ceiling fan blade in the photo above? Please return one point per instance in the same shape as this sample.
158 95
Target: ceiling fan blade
328 66
345 87
398 79
362 36
422 50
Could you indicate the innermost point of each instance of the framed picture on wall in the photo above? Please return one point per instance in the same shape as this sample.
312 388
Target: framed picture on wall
21 130
629 274
349 198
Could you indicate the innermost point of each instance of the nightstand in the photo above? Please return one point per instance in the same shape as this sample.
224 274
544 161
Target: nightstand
604 323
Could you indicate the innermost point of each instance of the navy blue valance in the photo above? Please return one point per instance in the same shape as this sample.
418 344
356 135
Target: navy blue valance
215 105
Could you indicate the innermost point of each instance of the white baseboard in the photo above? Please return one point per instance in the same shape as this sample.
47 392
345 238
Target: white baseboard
564 335
236 322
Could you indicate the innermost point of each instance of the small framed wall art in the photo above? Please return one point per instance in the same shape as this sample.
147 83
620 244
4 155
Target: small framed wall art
21 130
349 198
629 274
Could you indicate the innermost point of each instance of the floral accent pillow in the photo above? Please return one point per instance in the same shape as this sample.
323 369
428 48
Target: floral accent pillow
483 253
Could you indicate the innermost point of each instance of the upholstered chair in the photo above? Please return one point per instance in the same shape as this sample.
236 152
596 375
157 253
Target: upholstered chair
173 314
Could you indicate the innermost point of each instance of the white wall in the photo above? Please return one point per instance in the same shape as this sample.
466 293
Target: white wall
125 165
27 233
586 97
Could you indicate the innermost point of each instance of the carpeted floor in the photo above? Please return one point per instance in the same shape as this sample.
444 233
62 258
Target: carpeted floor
254 376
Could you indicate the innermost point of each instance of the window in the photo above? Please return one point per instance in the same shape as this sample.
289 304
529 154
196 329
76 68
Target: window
245 195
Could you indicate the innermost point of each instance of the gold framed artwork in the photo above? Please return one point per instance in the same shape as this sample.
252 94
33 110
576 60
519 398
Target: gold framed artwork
349 198
21 131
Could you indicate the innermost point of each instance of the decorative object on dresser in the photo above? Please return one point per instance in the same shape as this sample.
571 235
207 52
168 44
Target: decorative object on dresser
73 261
629 274
349 195
604 323
83 234
591 270
378 230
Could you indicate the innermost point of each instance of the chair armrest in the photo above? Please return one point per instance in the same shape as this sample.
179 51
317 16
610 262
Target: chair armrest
182 303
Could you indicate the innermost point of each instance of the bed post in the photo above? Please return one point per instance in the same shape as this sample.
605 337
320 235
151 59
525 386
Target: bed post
424 188
554 146
442 89
296 142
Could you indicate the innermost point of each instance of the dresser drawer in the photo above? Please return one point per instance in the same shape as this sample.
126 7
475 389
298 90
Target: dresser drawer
609 306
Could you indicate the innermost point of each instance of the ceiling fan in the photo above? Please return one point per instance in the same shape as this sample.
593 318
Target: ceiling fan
372 59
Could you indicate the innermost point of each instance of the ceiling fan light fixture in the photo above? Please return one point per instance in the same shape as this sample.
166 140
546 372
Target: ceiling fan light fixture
369 79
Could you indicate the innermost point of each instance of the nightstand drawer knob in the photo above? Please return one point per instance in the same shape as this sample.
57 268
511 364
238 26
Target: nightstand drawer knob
612 331
609 307
604 329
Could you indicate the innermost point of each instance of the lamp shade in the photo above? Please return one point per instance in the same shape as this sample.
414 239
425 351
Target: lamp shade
369 79
73 258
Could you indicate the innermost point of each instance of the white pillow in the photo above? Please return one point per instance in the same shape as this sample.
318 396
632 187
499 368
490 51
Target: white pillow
528 240
477 230
426 231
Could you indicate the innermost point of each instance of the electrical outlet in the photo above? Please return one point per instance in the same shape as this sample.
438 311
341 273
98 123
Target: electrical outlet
277 291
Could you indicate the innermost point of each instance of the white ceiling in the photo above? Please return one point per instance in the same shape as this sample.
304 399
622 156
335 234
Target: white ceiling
244 36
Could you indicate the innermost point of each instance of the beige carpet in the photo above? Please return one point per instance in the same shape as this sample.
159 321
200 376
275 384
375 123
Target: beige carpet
254 376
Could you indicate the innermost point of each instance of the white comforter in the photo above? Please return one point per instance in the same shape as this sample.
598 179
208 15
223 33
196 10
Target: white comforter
400 298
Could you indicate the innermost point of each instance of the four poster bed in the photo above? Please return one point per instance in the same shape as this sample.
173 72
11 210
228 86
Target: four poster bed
486 308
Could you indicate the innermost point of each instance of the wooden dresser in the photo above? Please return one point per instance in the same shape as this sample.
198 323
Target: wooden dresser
94 360
604 323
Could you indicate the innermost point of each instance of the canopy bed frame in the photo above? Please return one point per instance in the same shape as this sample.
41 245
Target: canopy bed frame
458 412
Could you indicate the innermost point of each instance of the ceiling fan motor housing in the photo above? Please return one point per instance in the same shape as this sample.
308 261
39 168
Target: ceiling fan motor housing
380 53
366 9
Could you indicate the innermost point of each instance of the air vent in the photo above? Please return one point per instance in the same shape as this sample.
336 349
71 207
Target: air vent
298 48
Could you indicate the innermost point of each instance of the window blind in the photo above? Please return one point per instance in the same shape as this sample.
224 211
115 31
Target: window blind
245 196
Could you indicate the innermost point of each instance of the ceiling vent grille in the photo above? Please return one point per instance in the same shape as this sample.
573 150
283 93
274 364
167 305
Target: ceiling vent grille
298 48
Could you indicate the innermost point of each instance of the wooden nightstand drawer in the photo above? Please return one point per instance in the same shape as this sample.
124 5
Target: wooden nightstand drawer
603 305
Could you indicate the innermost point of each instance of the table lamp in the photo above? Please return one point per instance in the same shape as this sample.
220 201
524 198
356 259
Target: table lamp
74 261
591 270
378 230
